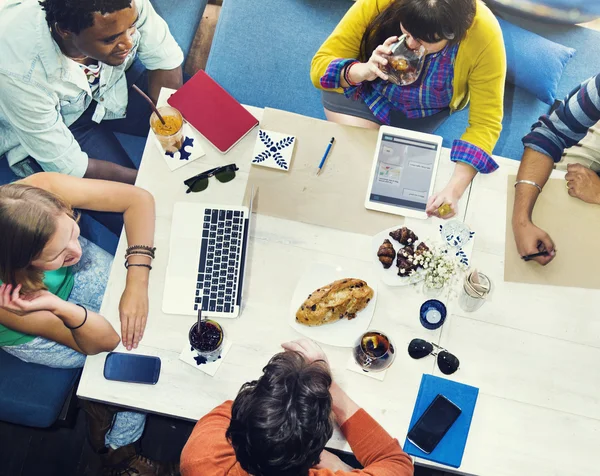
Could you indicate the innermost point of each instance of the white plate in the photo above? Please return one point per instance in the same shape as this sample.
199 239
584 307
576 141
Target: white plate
344 332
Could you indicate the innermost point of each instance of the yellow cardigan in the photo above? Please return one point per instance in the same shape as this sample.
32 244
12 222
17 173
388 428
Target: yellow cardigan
479 71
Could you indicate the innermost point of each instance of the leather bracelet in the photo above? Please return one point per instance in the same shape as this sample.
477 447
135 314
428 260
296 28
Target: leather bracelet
84 319
529 182
347 76
127 265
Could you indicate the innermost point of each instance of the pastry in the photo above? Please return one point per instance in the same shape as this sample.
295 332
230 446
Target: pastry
341 299
405 267
422 248
407 252
386 254
404 236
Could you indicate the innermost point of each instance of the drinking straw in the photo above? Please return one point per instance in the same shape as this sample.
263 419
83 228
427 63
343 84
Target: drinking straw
154 108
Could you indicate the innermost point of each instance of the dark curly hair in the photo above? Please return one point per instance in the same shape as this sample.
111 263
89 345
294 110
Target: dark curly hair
281 422
427 20
77 15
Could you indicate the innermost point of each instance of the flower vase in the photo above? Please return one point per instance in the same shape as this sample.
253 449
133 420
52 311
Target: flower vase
432 290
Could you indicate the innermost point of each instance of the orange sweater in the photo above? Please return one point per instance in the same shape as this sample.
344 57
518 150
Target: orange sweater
208 453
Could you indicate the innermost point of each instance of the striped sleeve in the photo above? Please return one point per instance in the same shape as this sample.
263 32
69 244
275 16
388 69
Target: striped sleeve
569 123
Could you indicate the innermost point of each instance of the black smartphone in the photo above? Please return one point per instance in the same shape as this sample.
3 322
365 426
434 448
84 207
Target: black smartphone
132 368
433 424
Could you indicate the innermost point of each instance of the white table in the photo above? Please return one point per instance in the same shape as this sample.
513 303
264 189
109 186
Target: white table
530 351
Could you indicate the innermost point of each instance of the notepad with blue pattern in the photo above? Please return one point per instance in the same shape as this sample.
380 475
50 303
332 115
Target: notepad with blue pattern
450 449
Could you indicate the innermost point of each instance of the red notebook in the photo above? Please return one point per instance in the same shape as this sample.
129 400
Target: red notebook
212 111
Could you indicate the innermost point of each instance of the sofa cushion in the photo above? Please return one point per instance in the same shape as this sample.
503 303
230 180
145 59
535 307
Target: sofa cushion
261 52
533 62
32 394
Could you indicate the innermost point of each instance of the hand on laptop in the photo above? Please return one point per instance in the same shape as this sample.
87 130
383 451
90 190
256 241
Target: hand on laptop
133 311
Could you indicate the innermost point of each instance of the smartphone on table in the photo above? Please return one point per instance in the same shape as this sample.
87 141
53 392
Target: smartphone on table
132 368
435 422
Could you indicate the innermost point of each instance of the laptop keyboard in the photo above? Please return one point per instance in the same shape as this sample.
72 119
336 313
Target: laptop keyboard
220 257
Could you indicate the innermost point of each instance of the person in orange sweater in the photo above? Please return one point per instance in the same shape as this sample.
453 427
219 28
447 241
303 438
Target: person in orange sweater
279 424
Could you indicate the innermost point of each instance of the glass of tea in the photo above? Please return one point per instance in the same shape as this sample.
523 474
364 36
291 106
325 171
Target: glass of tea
374 351
404 65
169 134
207 341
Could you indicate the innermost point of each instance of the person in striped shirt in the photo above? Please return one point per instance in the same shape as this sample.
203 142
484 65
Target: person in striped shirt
568 138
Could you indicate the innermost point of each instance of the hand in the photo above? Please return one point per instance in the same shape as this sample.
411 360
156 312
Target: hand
133 311
447 196
12 300
530 240
372 69
583 183
332 462
309 350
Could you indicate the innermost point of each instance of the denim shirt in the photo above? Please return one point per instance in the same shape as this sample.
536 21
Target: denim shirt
42 92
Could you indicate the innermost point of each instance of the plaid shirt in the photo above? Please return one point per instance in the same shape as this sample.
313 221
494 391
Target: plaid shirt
569 123
430 94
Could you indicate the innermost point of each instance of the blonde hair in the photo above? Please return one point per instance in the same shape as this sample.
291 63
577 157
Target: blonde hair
28 221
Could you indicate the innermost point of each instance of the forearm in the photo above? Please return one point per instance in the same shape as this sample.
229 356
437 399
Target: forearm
104 170
160 78
343 406
139 221
535 167
93 337
462 176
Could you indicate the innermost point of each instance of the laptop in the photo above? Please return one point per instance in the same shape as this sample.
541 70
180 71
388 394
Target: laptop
207 259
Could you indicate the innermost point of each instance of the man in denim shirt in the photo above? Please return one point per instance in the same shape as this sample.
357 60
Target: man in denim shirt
65 72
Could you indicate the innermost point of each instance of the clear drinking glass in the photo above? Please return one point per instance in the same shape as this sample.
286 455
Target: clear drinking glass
169 134
374 351
404 65
208 342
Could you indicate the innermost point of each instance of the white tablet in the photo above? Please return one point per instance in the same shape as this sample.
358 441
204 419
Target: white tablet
403 172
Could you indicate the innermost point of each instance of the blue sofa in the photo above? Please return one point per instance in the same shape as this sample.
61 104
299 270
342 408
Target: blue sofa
262 54
32 394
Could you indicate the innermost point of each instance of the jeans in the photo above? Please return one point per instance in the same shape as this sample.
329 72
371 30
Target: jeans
91 275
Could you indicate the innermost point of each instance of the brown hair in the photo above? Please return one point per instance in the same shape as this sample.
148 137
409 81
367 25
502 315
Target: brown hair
426 20
28 221
281 422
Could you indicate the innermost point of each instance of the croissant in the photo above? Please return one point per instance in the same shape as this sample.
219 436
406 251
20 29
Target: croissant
407 252
404 236
386 254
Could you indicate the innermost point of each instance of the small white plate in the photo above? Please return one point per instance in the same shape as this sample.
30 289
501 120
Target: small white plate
344 332
390 276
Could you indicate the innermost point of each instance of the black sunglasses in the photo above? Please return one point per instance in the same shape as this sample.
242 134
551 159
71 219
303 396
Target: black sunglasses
419 348
223 174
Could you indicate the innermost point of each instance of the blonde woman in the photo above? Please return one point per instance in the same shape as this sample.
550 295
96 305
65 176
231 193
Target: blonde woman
53 282
465 62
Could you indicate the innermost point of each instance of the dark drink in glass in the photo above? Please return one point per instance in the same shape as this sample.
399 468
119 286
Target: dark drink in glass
207 341
374 351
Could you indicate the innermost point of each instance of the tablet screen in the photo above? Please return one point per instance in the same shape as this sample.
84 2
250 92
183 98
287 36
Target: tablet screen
404 170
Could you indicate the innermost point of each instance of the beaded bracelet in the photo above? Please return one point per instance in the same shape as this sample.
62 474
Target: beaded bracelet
127 265
84 319
139 253
151 249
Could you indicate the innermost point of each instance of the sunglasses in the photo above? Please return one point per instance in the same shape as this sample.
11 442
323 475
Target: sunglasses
223 174
419 348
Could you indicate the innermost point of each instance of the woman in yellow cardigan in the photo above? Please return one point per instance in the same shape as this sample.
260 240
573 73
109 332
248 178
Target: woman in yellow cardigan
465 62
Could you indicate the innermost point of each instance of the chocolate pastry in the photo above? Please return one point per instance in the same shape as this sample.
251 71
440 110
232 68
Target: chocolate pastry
386 254
422 248
404 236
405 267
407 252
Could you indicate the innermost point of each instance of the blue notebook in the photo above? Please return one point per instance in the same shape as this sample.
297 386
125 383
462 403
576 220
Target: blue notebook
450 449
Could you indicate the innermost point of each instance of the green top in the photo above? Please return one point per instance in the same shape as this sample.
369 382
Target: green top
60 283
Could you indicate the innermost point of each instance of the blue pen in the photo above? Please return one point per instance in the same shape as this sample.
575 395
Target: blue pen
325 155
